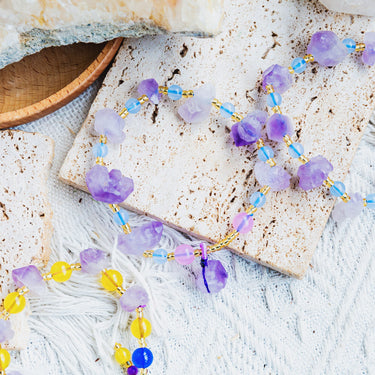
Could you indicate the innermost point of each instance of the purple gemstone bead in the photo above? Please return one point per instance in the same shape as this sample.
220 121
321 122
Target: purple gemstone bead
93 261
132 370
6 332
279 77
30 277
349 210
327 48
133 297
277 126
243 223
275 177
150 88
184 254
368 56
313 173
216 277
111 124
109 187
140 239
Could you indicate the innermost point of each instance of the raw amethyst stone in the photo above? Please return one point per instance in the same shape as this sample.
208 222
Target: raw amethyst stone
93 261
275 177
30 277
327 48
150 88
140 239
111 124
216 277
349 210
279 77
277 126
133 297
109 187
313 173
248 130
6 332
368 56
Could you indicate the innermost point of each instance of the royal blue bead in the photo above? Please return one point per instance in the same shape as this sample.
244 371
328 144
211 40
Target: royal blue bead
175 92
121 217
295 150
100 150
258 199
337 189
299 65
160 256
274 99
265 153
142 357
350 44
133 105
370 200
227 110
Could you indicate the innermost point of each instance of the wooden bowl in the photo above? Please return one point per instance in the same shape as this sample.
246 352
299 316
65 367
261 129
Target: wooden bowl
41 83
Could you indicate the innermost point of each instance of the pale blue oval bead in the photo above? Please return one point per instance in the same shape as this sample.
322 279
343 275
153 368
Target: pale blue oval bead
227 110
175 92
274 99
370 200
295 150
133 105
160 256
100 150
350 44
299 65
337 189
265 153
121 217
258 199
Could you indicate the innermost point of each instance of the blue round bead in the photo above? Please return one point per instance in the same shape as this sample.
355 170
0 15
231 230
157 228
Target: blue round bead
121 217
337 189
100 150
160 256
227 110
258 199
370 200
299 65
350 44
295 150
265 153
175 92
142 357
133 105
274 99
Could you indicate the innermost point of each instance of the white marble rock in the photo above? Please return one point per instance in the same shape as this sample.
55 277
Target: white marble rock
192 177
363 7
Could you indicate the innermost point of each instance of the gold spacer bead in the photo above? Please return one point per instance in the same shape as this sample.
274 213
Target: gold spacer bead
270 89
360 47
128 364
364 202
265 189
236 117
99 161
271 162
197 253
126 228
170 256
143 99
120 290
117 346
163 90
103 138
23 290
328 182
260 143
291 70
251 210
47 276
148 253
143 371
124 112
187 93
288 141
4 315
345 198
2 372
276 109
140 312
216 103
308 58
303 159
114 207
75 267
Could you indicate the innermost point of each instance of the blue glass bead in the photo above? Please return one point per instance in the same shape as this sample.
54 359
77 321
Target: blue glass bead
258 199
175 92
337 189
100 150
227 110
274 99
370 200
299 65
350 44
121 217
142 357
295 150
133 105
265 153
160 256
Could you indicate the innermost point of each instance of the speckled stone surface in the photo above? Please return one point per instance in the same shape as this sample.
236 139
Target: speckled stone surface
192 177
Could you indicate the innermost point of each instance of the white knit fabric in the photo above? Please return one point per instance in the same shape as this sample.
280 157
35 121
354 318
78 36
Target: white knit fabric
261 323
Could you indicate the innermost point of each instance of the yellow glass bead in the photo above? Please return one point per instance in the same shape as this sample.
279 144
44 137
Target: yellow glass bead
4 359
61 271
122 355
14 303
111 279
140 328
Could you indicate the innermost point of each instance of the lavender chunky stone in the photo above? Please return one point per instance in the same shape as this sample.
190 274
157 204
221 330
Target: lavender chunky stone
327 48
133 297
150 88
30 277
349 210
216 277
109 187
276 177
313 173
140 239
93 261
6 332
279 77
111 124
277 126
368 56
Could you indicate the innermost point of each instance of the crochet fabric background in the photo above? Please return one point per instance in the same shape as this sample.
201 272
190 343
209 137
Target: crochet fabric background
261 323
